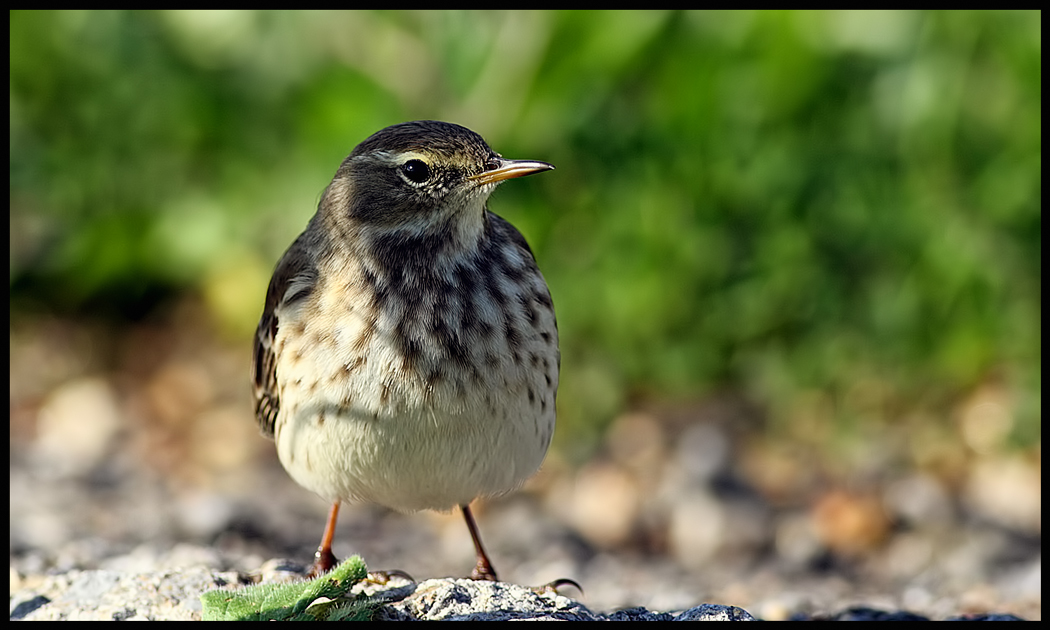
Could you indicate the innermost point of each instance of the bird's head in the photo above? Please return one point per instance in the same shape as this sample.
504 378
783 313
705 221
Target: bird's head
420 178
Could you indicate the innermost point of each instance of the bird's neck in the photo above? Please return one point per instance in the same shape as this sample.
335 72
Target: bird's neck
396 250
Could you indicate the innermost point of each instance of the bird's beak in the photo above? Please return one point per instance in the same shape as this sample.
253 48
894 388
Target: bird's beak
509 169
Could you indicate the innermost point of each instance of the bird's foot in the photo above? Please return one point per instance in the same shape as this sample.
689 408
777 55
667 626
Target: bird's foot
324 561
484 571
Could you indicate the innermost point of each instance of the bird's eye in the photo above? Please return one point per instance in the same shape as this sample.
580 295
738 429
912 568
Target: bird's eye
416 171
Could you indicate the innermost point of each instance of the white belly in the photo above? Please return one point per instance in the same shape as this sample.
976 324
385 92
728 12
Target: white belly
361 419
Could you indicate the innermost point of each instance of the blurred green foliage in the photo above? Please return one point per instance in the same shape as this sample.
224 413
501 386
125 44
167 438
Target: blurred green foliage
840 205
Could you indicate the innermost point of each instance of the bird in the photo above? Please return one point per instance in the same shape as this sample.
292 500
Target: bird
407 354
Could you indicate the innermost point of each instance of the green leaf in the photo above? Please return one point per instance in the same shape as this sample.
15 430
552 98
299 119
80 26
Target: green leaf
292 602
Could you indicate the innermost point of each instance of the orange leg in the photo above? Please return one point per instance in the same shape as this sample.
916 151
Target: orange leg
483 570
324 559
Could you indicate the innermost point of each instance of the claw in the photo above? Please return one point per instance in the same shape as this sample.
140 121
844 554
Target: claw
552 586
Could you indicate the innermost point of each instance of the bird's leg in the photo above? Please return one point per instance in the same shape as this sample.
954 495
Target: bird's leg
483 570
324 559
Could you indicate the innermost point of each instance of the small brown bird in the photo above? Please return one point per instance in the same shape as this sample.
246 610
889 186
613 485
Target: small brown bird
407 354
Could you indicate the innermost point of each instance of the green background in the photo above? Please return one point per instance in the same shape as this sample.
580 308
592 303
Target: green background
835 216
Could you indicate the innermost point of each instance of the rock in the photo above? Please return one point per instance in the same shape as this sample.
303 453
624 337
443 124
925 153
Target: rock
469 600
114 596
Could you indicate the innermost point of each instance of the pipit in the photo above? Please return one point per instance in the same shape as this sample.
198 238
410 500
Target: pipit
407 354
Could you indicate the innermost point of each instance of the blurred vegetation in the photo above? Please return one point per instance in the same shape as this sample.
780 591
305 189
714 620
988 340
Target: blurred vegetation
834 214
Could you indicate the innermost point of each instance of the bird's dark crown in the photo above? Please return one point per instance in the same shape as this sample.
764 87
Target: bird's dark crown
449 142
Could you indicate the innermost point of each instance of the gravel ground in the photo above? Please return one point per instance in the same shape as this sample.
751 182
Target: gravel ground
139 461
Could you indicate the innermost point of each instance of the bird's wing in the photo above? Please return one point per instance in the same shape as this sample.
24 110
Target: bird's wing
293 279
